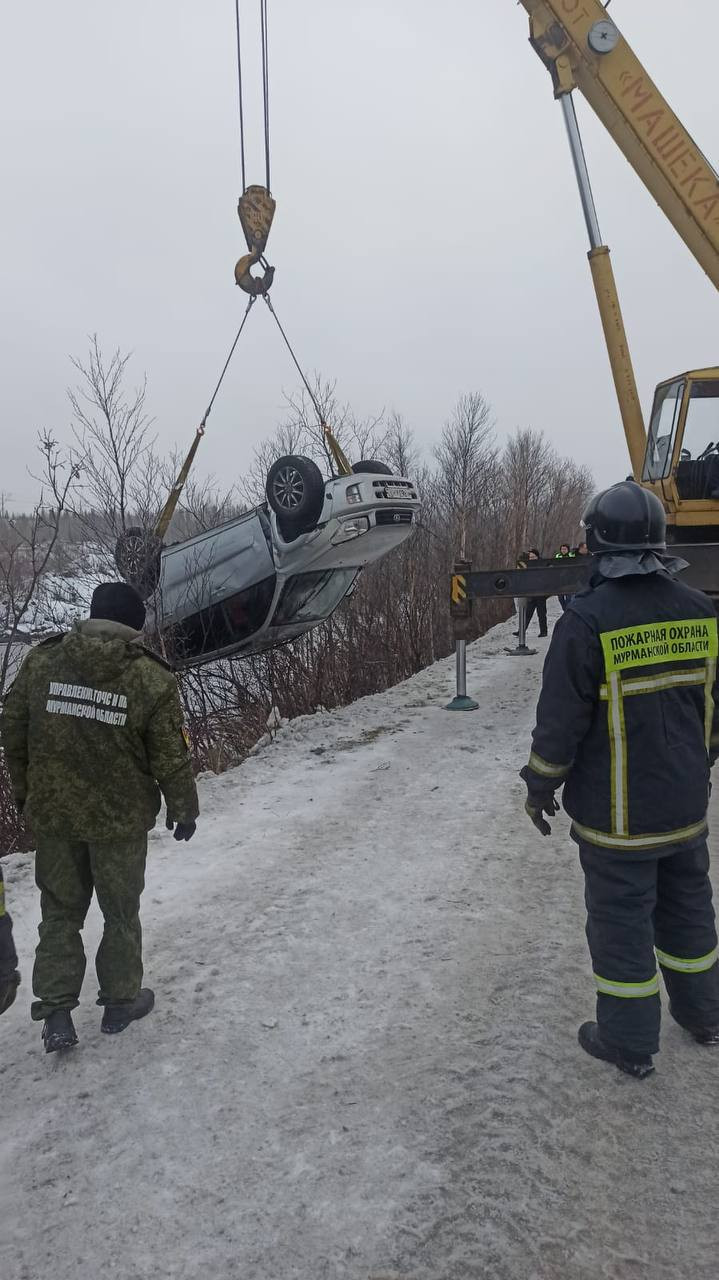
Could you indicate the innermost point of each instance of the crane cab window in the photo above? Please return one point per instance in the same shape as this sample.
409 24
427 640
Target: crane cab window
701 433
698 468
662 430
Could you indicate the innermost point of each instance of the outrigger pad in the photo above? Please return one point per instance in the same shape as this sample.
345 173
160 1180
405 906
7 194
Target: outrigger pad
256 209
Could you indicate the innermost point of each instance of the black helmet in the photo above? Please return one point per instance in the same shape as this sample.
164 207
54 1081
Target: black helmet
625 518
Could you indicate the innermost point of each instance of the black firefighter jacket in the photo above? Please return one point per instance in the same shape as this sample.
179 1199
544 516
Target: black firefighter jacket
627 717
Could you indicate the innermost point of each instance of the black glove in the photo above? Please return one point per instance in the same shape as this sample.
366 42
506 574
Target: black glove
538 804
183 830
8 990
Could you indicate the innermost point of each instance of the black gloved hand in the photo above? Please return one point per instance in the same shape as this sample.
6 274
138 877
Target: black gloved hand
8 990
537 805
183 830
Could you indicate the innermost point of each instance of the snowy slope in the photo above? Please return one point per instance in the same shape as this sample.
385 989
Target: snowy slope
362 1065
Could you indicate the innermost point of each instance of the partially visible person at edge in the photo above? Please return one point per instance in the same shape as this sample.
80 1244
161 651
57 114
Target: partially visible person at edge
628 722
9 975
564 553
536 604
93 734
521 601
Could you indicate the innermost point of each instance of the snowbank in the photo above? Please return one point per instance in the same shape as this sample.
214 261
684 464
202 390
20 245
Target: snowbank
362 1064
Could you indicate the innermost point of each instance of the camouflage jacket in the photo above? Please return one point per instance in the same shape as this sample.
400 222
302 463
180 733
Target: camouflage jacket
92 730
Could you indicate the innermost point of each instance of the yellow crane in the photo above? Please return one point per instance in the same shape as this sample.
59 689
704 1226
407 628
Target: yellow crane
582 47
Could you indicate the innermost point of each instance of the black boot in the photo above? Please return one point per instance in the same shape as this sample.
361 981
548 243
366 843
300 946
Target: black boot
702 1035
118 1016
8 990
632 1064
58 1031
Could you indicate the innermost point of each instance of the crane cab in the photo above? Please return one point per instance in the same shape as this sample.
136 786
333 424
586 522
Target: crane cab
681 463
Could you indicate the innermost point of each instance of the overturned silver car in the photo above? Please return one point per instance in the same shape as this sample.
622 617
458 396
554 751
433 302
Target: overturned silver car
275 572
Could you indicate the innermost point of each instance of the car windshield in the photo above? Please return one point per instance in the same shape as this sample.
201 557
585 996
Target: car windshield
310 597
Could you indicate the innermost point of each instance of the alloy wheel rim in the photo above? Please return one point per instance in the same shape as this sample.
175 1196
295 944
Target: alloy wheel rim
288 489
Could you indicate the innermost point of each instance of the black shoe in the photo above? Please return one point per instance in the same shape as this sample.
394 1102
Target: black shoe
119 1016
8 990
702 1035
58 1031
630 1063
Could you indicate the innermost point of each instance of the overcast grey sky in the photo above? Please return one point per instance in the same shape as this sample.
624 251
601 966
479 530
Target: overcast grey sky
428 238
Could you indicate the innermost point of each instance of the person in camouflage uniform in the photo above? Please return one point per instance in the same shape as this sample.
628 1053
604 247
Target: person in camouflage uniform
9 976
93 735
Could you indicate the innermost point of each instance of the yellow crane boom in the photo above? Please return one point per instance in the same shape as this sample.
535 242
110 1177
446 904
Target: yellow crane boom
584 49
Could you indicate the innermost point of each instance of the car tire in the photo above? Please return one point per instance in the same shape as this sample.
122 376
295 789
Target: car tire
372 468
137 556
295 491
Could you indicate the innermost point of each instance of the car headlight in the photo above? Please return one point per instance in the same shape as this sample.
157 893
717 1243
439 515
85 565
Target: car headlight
353 494
350 529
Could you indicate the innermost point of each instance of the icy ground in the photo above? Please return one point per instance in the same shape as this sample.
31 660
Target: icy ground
362 1064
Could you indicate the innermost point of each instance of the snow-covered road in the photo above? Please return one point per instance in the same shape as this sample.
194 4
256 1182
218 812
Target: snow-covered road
362 1065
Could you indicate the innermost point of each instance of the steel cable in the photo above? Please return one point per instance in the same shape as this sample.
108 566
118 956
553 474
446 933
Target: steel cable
220 380
265 87
296 362
239 91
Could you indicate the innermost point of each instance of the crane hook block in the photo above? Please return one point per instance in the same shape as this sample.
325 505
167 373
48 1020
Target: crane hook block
256 209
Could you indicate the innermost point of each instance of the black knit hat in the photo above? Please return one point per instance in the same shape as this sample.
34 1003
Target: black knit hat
118 602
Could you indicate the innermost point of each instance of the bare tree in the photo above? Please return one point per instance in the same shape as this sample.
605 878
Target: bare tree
114 450
545 493
26 550
466 465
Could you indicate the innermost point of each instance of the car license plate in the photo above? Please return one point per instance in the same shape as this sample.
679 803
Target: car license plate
395 491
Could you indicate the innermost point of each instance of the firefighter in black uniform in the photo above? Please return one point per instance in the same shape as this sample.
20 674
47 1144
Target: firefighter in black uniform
628 722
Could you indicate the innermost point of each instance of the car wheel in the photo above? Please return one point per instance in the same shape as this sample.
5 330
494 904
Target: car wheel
296 493
372 468
137 556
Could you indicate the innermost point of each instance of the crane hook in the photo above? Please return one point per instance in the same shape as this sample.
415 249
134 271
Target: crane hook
256 209
256 286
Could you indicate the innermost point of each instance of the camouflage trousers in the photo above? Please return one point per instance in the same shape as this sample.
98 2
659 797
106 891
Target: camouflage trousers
66 872
8 954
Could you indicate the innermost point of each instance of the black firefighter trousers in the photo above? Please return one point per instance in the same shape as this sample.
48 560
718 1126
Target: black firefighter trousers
640 911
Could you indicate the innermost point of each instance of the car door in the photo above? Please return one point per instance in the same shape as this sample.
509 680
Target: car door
212 567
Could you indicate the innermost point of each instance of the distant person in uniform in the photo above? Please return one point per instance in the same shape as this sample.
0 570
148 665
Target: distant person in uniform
537 604
93 735
564 553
